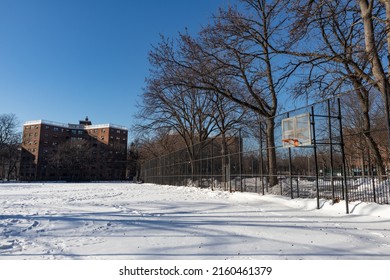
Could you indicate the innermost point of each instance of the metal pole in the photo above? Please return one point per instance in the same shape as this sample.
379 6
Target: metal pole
331 151
343 157
240 158
261 160
315 156
387 112
212 163
199 161
371 172
290 167
229 169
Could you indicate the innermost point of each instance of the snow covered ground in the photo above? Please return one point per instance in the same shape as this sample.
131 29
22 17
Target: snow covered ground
114 221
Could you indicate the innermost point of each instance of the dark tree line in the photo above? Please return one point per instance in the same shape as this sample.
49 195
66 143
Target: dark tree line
85 160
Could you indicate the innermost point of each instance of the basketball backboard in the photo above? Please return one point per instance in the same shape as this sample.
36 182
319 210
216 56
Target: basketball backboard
296 131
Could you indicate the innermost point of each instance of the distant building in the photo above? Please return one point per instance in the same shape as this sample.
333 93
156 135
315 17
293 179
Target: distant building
73 152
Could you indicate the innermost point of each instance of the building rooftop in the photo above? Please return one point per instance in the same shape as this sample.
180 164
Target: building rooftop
76 126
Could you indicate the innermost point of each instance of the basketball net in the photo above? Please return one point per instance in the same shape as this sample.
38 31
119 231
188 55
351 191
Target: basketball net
294 142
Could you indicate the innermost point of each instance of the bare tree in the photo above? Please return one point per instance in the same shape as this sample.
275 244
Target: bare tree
9 145
341 53
72 160
8 128
374 39
133 160
233 58
176 110
158 143
10 157
171 105
229 117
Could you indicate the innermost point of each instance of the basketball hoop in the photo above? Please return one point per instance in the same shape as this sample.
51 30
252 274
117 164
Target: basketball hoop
296 131
292 142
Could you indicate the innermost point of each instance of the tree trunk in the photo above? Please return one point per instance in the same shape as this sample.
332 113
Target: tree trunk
271 152
382 83
363 96
372 145
371 49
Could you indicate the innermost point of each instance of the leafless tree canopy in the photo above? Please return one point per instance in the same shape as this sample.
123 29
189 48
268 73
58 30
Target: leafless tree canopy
253 55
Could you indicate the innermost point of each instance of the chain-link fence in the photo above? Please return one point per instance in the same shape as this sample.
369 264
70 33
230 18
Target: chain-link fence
338 164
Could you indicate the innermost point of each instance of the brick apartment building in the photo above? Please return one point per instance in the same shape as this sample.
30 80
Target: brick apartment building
73 152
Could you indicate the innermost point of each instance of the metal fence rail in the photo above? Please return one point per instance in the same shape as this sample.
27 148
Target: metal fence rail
360 188
243 173
322 170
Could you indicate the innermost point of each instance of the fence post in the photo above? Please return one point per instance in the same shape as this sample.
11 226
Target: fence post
199 170
290 167
229 169
240 158
315 156
331 151
261 160
212 163
343 157
371 175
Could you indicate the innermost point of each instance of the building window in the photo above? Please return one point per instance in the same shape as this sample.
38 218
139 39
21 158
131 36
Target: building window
55 129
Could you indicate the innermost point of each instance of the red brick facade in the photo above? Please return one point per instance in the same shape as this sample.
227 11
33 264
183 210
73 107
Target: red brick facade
99 151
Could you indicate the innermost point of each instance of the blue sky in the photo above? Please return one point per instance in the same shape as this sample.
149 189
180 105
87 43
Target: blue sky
62 60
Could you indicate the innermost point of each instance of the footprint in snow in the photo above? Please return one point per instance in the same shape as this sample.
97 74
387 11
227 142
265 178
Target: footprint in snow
9 245
35 224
